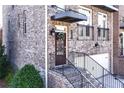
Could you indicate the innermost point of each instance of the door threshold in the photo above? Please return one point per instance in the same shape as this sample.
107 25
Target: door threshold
60 66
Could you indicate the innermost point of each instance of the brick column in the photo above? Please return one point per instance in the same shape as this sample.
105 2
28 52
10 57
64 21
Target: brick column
115 41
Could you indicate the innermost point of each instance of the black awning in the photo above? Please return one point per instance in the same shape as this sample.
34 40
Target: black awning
122 25
69 16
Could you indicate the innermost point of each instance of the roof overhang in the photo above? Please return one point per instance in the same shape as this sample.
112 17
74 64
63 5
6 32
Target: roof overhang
109 8
69 16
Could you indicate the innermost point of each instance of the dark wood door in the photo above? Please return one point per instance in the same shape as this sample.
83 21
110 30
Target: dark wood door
60 48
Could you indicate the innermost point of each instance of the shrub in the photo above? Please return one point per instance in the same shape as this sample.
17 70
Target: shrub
27 77
3 63
9 75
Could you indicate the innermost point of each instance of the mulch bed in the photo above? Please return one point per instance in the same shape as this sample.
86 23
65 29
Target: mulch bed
2 84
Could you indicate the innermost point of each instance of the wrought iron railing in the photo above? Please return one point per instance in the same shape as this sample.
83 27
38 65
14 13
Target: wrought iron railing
84 82
86 32
84 61
103 34
98 50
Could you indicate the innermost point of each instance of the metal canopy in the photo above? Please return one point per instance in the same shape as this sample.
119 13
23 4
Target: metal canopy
69 16
109 8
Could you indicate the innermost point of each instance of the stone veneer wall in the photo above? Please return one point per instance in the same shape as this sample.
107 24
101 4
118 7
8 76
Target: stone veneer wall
25 48
75 44
56 80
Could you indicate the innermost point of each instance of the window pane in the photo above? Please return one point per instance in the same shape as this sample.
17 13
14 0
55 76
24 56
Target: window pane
102 20
24 21
89 17
71 36
99 32
87 31
81 32
104 31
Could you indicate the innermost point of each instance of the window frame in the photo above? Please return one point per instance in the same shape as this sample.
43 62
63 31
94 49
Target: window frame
102 29
24 22
103 14
85 9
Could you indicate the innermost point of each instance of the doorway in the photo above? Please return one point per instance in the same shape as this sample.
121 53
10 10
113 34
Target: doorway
60 45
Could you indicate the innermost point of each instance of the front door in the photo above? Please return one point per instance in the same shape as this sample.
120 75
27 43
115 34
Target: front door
60 48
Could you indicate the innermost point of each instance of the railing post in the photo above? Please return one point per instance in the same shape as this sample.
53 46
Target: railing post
103 77
84 61
123 86
63 70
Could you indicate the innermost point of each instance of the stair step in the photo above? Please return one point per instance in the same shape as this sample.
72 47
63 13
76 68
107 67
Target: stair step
86 85
77 84
75 79
71 73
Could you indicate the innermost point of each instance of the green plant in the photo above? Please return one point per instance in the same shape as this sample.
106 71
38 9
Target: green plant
3 63
9 75
27 77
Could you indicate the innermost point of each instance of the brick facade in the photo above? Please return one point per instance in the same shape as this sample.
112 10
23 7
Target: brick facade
74 44
81 45
118 60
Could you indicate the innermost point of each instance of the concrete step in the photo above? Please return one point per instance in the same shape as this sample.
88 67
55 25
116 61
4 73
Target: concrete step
77 84
75 79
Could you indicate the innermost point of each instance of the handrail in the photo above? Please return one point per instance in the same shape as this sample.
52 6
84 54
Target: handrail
76 70
94 49
52 54
80 73
100 66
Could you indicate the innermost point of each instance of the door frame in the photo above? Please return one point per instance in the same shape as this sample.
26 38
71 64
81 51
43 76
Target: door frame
66 51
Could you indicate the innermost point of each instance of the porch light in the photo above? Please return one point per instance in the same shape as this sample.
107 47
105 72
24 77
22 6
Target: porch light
52 31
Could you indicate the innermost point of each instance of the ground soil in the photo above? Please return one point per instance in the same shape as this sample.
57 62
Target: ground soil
2 84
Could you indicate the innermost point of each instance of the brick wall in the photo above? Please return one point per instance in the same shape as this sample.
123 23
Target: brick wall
80 45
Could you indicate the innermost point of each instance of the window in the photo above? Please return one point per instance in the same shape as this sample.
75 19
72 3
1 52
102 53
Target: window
121 43
102 20
85 27
9 26
88 13
71 34
18 20
13 6
24 21
85 32
98 32
103 31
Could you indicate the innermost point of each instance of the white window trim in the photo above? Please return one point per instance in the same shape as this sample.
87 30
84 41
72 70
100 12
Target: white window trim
106 18
87 9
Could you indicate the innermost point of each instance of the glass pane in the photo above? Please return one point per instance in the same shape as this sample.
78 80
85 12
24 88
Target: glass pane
98 32
60 43
87 31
